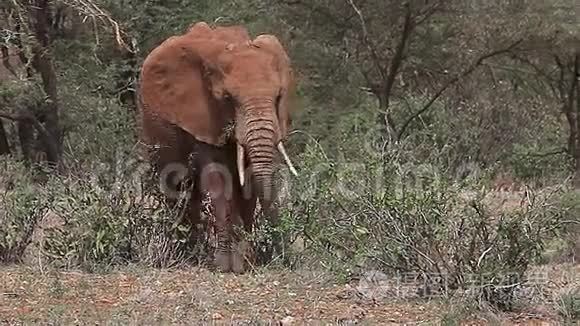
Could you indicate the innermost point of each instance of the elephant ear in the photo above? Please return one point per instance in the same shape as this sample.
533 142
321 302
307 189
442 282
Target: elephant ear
199 29
174 85
287 95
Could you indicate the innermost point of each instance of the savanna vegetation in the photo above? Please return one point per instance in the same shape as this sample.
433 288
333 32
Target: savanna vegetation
437 144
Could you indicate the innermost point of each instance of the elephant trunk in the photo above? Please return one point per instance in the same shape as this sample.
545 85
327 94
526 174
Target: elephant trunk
259 136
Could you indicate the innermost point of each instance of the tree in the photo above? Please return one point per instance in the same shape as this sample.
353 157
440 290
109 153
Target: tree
34 19
396 46
32 27
4 146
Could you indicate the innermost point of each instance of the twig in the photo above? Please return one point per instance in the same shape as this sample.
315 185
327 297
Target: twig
483 255
429 12
341 22
366 39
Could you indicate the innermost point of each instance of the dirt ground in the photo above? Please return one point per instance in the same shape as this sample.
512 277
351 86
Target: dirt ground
134 296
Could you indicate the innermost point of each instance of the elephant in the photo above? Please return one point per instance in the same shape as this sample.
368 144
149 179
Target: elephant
215 109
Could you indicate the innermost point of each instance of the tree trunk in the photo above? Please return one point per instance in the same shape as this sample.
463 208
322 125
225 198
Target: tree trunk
4 146
576 85
572 136
42 62
25 137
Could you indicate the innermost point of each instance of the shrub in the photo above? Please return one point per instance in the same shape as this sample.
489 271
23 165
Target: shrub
568 304
569 233
113 225
21 209
389 212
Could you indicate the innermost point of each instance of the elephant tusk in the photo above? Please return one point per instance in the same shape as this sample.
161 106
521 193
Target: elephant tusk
241 164
287 159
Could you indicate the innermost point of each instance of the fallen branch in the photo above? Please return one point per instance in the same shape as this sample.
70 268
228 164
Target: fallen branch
470 69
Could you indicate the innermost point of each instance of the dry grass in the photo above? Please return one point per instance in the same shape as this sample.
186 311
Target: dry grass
185 296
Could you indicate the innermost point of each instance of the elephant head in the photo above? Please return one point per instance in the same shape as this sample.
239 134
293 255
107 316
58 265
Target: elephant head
208 80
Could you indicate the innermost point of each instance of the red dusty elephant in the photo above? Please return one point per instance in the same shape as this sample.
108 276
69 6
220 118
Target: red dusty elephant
215 108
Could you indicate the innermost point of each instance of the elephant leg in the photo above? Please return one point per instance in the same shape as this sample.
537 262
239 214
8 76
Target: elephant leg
216 179
243 253
248 209
270 213
225 209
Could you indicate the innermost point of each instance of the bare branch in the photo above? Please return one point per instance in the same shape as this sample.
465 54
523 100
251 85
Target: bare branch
90 10
397 60
539 72
573 83
367 40
470 69
15 117
575 90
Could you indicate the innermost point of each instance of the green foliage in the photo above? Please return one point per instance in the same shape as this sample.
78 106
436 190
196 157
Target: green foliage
386 212
103 227
94 224
569 305
568 240
530 163
21 209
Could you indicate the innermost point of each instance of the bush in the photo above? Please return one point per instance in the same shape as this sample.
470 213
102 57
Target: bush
531 163
115 224
569 233
22 208
99 225
389 212
569 304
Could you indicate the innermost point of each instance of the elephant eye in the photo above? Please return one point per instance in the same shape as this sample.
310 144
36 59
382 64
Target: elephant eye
228 97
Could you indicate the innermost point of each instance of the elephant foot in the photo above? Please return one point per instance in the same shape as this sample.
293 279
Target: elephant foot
237 261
